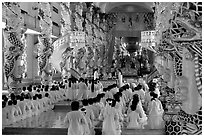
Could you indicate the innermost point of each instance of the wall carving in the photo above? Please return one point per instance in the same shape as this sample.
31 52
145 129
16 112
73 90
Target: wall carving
45 47
14 40
179 35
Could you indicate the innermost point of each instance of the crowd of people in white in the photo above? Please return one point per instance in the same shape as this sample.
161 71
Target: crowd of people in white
131 106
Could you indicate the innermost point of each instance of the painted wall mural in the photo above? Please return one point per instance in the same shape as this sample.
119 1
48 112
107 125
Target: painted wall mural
179 36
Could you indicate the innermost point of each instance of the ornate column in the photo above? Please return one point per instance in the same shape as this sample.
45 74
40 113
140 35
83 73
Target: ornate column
45 48
89 39
14 40
79 46
180 37
66 30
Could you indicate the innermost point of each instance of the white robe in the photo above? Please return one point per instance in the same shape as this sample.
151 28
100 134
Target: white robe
76 121
133 120
155 120
109 115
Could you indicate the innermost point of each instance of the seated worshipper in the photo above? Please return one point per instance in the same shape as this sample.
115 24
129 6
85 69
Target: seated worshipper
148 95
108 94
89 126
57 93
12 96
34 89
74 90
48 102
75 120
93 92
5 97
62 89
24 107
44 102
60 93
156 111
36 104
40 101
100 86
133 116
140 92
66 88
89 110
100 98
128 93
82 93
96 107
109 116
29 105
103 99
31 92
24 90
54 94
13 113
118 107
65 91
53 97
5 114
122 99
139 109
17 113
95 110
114 89
70 92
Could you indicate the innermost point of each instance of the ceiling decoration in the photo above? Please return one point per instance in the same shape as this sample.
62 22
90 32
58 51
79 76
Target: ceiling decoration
108 7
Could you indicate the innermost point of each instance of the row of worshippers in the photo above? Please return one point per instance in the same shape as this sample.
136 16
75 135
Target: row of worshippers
82 88
32 101
115 108
35 99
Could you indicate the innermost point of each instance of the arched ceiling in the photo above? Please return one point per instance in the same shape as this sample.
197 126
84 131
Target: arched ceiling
108 7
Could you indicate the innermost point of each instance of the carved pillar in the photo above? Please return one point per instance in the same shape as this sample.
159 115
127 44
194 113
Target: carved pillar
183 36
14 41
66 30
188 70
45 48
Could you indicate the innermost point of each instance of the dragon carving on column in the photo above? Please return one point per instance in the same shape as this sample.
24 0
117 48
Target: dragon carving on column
65 59
45 48
182 39
65 29
78 62
90 55
13 45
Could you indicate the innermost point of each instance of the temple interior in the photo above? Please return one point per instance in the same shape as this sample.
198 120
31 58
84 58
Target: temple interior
101 68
